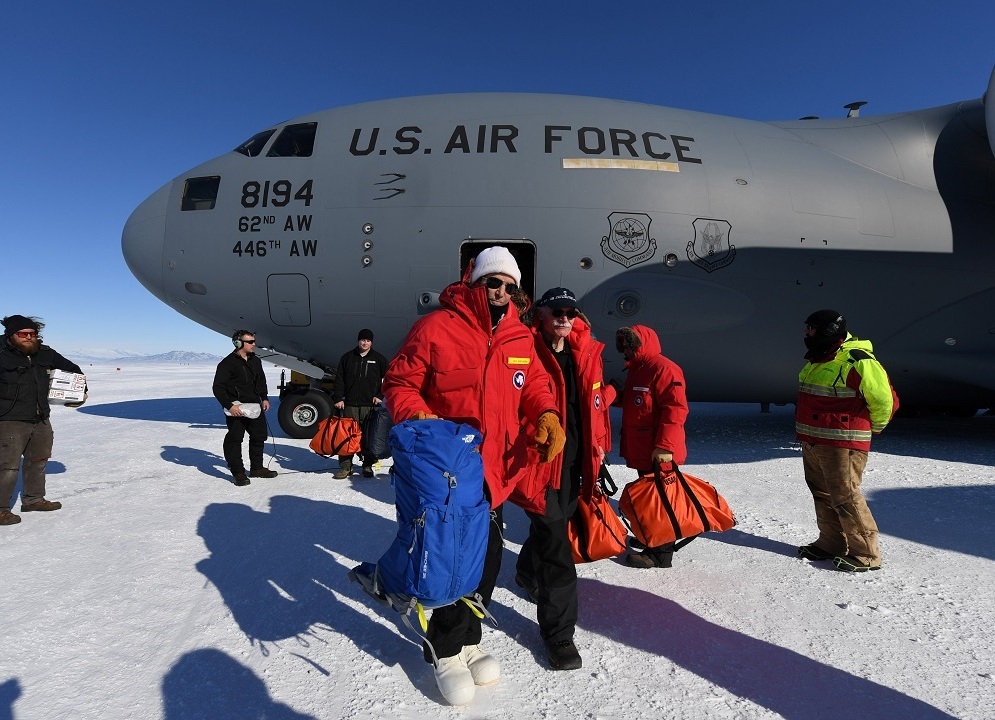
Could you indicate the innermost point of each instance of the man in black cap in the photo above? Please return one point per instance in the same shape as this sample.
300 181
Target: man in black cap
25 431
356 391
549 494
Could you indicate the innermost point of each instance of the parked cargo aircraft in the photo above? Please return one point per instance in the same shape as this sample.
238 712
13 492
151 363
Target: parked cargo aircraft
722 234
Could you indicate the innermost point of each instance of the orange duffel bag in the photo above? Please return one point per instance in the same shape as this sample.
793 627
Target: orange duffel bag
595 531
337 436
671 507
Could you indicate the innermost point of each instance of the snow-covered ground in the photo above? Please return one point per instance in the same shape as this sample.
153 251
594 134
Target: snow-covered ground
162 590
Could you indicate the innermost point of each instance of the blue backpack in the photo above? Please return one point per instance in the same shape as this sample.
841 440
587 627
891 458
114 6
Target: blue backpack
443 520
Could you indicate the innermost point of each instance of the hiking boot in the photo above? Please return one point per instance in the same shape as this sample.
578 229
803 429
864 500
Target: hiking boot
649 559
9 518
455 680
564 656
850 564
343 472
367 471
531 587
42 505
814 552
483 667
262 473
241 478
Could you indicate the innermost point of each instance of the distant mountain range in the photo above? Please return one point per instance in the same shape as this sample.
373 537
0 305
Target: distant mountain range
173 356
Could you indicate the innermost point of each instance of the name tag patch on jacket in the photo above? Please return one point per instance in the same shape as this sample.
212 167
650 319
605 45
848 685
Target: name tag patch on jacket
519 360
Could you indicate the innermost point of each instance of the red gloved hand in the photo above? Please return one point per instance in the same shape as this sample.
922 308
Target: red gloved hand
549 436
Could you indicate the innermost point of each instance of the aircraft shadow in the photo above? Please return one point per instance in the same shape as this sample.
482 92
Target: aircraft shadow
193 411
10 691
276 572
207 684
788 683
952 518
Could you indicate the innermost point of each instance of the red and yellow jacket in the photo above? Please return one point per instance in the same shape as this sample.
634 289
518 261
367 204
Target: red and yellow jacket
453 366
844 399
595 398
654 405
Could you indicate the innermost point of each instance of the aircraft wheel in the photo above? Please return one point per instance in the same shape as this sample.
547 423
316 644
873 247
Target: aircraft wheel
300 413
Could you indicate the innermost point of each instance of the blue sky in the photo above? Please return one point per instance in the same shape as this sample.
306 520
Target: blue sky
103 102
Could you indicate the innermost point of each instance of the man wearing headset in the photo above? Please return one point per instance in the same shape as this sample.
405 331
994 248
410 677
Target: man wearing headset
240 387
25 430
844 398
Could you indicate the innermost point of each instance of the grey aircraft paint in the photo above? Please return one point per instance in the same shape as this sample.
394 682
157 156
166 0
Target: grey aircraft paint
722 234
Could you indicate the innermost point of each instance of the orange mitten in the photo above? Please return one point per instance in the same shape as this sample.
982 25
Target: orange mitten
549 437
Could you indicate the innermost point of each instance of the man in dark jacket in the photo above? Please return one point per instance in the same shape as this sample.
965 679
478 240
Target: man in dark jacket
357 391
25 430
240 387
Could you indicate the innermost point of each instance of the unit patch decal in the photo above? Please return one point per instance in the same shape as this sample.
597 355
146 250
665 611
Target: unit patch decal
711 249
628 241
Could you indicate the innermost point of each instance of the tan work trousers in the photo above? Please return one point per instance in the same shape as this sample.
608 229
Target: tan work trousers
846 526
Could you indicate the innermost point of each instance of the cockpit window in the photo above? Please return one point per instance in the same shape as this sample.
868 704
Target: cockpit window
200 193
294 141
254 145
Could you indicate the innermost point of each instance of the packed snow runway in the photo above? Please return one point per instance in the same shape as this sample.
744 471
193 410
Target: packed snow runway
162 590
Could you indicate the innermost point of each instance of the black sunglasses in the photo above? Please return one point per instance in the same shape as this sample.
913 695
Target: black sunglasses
493 283
569 312
248 342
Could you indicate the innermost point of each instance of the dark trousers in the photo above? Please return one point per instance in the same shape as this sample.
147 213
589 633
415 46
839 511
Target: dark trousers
237 427
358 413
34 442
454 626
547 559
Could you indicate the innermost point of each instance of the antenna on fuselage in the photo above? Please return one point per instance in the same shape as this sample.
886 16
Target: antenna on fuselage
853 109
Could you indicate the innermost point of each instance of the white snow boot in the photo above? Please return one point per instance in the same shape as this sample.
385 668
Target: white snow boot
483 667
454 680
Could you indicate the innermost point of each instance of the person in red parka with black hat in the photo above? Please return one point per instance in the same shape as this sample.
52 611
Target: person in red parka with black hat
473 361
654 408
546 569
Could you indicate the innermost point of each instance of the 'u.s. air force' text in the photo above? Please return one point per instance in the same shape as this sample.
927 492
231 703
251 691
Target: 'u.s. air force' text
480 139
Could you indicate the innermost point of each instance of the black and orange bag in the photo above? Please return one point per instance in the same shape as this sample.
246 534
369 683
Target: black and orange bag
671 507
337 436
595 531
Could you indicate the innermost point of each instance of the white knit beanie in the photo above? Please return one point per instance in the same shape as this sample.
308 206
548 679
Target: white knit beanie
493 260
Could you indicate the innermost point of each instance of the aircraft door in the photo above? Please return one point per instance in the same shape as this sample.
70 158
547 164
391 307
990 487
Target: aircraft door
289 299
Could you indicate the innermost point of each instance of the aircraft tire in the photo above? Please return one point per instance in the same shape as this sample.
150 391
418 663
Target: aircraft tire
300 413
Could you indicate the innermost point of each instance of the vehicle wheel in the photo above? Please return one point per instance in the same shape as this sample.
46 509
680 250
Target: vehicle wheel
300 413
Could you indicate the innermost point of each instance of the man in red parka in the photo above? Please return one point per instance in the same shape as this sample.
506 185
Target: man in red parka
546 569
654 408
473 361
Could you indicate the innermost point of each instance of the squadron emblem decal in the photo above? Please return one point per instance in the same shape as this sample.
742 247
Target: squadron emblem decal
628 241
710 249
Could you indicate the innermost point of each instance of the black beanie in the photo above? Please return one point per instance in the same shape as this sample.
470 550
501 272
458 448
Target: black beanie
14 323
365 334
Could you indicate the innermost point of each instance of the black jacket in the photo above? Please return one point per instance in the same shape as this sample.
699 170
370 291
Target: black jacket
358 379
238 379
24 381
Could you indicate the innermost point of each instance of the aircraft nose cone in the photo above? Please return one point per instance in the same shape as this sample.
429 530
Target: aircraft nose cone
143 239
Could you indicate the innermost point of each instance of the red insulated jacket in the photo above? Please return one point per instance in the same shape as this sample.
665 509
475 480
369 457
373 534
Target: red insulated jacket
595 399
654 405
452 365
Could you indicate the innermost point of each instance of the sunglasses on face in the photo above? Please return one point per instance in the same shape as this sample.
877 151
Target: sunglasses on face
25 334
248 342
493 283
571 313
